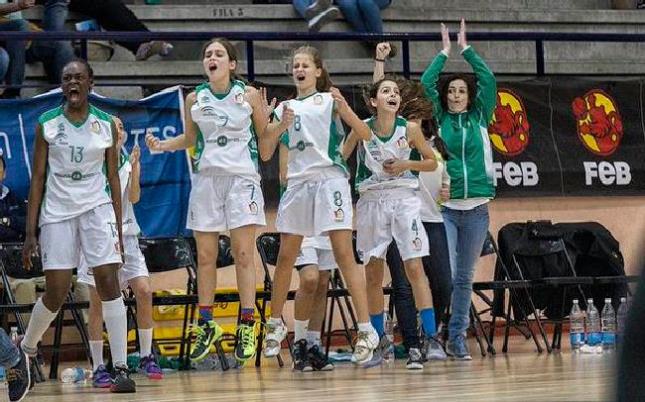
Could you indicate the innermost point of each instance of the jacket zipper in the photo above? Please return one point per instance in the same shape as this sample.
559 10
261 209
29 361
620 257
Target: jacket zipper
463 156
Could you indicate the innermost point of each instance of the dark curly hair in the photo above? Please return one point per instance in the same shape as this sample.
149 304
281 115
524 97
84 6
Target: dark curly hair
470 81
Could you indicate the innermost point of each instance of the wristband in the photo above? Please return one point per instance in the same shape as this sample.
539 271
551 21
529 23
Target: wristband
381 60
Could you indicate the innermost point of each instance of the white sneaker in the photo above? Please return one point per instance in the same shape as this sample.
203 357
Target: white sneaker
327 16
316 8
365 345
275 335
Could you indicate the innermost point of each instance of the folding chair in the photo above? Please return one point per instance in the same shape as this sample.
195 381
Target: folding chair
168 254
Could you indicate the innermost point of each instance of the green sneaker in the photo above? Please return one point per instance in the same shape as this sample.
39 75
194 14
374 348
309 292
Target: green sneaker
206 335
246 343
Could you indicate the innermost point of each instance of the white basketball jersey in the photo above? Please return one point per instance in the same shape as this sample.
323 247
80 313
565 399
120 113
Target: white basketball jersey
76 180
371 154
314 138
226 141
130 226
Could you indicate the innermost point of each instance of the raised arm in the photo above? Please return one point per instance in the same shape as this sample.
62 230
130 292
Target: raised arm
358 126
382 52
430 76
260 116
486 97
271 137
36 189
182 141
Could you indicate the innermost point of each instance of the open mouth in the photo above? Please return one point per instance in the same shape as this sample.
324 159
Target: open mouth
74 92
392 102
212 67
300 76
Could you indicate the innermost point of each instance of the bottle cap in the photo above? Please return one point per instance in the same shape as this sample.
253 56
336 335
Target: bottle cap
607 299
623 299
575 301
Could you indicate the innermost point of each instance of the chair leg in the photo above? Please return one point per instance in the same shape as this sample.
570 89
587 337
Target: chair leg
474 327
53 370
329 326
507 326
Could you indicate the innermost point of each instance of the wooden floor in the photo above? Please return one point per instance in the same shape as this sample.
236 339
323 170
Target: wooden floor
522 375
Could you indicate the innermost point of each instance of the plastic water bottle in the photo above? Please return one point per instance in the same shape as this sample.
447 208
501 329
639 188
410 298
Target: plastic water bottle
594 334
621 319
73 375
388 354
14 335
4 387
576 327
608 319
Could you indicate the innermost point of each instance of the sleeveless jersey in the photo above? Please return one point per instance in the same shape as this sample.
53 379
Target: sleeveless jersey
226 141
130 224
371 154
76 180
314 139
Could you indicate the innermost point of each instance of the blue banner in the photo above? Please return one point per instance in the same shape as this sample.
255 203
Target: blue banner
165 178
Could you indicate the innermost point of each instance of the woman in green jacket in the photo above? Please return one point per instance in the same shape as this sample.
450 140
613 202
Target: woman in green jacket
463 109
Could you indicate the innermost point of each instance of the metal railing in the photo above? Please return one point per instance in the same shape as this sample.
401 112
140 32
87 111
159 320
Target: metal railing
539 38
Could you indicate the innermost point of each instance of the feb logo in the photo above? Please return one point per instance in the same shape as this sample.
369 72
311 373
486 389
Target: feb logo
509 130
600 127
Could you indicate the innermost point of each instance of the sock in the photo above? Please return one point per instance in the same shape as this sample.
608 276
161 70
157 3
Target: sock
313 338
377 322
275 321
428 322
39 322
365 327
96 347
114 315
145 342
206 313
246 315
300 329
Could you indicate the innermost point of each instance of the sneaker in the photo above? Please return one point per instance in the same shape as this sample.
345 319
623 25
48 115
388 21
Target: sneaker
433 349
149 49
384 347
318 360
366 343
300 360
415 359
246 342
207 333
316 23
316 8
275 335
458 348
101 377
150 367
19 378
122 382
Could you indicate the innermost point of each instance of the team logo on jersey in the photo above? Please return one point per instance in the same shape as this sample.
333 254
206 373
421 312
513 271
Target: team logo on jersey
318 99
208 111
253 208
301 145
204 99
222 140
417 244
60 135
76 176
95 127
339 215
239 98
402 143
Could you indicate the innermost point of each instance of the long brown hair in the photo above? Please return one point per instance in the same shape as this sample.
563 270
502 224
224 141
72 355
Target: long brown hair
323 83
471 83
230 50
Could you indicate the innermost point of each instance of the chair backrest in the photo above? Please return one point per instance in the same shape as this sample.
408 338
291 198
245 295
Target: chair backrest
268 245
489 245
224 253
166 254
11 255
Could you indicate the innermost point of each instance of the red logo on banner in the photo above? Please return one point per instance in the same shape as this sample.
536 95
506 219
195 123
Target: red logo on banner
509 130
600 127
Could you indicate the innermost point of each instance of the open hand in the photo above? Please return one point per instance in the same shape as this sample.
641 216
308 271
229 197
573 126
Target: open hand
445 38
461 37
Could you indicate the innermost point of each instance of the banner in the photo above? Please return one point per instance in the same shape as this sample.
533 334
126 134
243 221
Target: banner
165 179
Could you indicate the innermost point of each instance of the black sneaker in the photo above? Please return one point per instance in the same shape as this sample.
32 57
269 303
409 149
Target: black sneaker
300 361
19 378
122 382
415 359
318 360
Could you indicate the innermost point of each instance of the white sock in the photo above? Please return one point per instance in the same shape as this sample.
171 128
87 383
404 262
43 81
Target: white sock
96 347
313 338
114 315
275 321
365 327
39 322
145 342
300 329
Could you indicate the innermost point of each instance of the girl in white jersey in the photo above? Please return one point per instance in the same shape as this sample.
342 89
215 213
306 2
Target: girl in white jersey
318 198
389 207
78 208
222 116
133 273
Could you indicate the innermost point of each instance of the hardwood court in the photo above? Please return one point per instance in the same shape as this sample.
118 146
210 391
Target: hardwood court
518 376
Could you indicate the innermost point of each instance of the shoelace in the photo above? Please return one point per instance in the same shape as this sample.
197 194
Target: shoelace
14 374
198 330
247 334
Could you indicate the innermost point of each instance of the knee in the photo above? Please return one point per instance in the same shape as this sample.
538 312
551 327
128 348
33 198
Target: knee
308 285
54 299
243 258
143 291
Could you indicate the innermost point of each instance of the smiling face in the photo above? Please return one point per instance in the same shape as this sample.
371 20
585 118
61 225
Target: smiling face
457 96
76 84
305 72
217 62
388 98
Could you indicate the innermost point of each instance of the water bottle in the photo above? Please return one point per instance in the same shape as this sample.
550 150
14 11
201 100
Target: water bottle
621 319
594 334
73 375
4 387
576 326
608 319
14 335
388 354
